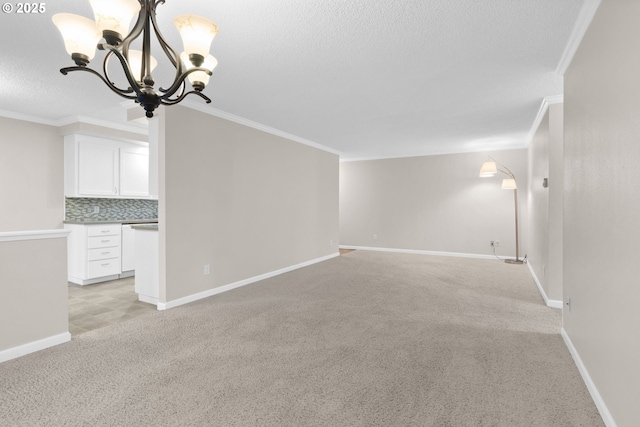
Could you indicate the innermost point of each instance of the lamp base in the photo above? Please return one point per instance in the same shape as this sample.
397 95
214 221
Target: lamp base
514 261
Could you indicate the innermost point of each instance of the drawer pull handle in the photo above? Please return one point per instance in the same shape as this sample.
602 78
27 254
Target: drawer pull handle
104 241
106 264
106 253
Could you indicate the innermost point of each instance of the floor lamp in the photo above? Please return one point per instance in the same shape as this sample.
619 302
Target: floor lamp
489 169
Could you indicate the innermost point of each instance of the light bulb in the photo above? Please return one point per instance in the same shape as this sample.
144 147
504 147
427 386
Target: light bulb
135 63
80 36
113 18
197 34
199 76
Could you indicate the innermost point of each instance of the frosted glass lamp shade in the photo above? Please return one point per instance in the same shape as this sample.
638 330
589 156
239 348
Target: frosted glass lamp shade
135 63
488 169
197 34
509 184
80 36
199 76
114 17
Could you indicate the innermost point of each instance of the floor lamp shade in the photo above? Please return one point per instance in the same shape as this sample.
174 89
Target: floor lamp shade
509 184
488 169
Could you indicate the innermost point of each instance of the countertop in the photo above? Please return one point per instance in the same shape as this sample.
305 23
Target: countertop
112 221
146 227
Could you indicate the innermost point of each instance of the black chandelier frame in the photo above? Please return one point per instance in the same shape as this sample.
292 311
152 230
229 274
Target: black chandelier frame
144 92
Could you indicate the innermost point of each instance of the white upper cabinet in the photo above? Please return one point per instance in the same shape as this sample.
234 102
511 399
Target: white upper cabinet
99 167
134 171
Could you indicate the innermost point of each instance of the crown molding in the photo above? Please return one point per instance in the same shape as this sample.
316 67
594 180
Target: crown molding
544 106
255 125
517 145
140 130
27 118
585 17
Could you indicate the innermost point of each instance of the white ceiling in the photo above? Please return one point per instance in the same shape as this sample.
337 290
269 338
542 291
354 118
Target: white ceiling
367 78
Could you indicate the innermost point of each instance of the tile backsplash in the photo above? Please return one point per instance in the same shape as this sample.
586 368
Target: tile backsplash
83 209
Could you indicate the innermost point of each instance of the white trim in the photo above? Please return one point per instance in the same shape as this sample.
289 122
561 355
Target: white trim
148 299
515 146
32 347
255 125
12 236
585 17
544 106
420 252
593 390
230 286
553 303
139 129
27 118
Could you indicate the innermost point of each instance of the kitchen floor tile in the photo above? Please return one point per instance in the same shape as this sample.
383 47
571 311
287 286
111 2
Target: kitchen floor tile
102 304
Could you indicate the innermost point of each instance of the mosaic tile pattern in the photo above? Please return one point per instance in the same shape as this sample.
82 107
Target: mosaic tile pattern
83 209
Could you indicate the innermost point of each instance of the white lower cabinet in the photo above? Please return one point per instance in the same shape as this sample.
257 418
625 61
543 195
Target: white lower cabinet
94 253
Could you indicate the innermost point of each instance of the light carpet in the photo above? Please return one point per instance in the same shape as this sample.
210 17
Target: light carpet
365 339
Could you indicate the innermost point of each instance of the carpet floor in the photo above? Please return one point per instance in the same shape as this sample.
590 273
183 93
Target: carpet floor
364 339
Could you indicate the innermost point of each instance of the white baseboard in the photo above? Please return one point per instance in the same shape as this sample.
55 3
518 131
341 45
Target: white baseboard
553 303
84 282
420 252
148 299
593 390
191 298
34 346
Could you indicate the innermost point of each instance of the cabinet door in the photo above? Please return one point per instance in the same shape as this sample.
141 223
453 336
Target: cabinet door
134 171
97 169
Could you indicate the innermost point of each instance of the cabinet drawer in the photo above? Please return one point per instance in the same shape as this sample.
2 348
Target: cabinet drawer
104 230
103 253
101 268
103 242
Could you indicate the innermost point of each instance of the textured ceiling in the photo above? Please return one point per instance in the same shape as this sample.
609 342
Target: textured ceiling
369 79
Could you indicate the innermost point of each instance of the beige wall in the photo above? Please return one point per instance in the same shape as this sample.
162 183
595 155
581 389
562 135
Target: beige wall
556 197
602 202
539 203
33 291
33 273
242 200
432 203
31 176
545 204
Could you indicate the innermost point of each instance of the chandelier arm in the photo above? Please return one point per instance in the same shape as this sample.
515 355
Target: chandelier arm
108 79
180 92
125 66
180 80
168 50
195 92
66 70
136 30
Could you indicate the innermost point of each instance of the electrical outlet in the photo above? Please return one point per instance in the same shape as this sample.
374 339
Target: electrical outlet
207 269
375 237
330 242
96 209
568 304
494 243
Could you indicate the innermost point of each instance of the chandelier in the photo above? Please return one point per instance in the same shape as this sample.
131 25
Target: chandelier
110 32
